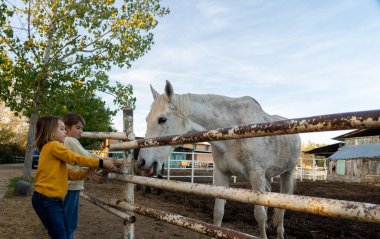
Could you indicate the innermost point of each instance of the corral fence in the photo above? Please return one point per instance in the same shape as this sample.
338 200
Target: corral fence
312 171
203 169
326 207
179 168
188 168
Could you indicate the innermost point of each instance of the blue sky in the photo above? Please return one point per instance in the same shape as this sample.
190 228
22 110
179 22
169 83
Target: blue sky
296 58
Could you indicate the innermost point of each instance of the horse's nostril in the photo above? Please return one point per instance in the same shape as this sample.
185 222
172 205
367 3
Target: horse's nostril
142 163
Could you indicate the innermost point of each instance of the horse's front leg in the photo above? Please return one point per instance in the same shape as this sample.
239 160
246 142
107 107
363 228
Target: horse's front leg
220 179
258 182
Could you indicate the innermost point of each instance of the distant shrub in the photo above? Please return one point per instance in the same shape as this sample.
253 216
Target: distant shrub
8 152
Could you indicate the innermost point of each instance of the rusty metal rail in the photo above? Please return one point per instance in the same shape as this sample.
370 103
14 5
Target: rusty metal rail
359 211
352 120
178 220
127 218
108 135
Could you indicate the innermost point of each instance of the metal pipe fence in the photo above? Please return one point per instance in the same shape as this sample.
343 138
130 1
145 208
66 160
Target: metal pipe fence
325 207
311 171
366 212
352 120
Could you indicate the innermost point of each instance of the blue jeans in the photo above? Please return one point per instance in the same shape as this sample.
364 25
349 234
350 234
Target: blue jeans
70 211
50 212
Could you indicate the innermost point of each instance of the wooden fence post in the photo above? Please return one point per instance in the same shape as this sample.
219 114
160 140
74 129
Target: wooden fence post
128 190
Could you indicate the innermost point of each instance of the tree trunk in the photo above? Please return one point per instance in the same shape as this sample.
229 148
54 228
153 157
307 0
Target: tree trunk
34 117
27 173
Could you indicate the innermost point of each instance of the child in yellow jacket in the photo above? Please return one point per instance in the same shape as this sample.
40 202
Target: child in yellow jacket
52 175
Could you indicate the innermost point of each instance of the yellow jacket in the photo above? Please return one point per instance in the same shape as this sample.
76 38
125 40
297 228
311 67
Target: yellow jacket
52 174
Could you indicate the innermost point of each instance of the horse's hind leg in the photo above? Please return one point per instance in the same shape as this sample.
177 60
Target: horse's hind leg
220 179
287 187
259 182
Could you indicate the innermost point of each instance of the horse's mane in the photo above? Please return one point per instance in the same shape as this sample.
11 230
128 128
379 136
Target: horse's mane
181 103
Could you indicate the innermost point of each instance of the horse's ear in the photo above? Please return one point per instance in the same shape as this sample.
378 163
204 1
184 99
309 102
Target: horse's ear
169 90
154 92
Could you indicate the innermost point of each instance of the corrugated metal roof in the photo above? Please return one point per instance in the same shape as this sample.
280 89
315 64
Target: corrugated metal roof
358 133
357 151
325 150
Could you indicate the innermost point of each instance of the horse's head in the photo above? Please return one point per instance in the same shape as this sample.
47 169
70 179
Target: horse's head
165 118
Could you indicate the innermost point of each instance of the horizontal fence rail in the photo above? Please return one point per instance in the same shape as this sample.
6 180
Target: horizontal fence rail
352 120
108 135
100 203
178 220
365 212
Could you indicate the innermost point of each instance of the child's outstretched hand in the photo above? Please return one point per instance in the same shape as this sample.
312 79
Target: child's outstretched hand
108 164
93 175
119 165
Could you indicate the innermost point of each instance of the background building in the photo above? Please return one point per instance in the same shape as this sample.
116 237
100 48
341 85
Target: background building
355 159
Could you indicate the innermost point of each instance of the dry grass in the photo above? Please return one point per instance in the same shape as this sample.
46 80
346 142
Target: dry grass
18 219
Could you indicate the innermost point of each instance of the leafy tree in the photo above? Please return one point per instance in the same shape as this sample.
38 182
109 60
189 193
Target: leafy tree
80 100
13 129
92 108
47 46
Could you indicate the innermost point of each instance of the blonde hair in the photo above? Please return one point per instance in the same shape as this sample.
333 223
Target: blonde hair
45 128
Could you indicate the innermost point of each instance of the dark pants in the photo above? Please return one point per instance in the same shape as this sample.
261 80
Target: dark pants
50 212
70 211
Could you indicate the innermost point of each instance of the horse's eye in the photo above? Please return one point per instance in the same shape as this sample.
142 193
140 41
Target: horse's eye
161 120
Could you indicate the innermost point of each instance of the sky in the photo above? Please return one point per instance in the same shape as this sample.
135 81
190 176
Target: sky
296 58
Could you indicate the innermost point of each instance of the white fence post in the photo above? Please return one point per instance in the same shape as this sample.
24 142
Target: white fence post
192 166
169 162
313 169
129 189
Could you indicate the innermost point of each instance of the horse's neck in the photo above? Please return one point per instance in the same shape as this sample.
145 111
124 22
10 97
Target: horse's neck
212 111
206 112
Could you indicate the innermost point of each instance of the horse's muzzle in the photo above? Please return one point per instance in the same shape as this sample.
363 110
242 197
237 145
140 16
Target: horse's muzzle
146 169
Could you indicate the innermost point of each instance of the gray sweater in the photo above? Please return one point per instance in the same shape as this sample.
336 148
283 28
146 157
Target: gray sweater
74 145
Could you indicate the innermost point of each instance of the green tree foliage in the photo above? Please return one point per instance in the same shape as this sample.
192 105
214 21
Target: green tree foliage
84 102
53 48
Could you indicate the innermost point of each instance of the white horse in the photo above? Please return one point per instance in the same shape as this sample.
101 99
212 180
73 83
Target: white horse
257 159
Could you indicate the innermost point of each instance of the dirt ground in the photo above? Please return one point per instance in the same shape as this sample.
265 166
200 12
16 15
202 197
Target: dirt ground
18 220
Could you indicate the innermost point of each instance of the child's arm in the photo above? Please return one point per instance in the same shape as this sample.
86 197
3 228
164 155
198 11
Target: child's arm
77 175
70 157
93 174
74 145
82 174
